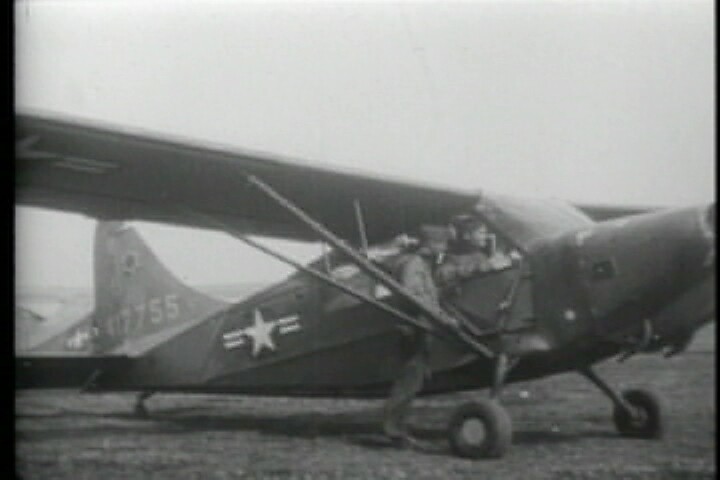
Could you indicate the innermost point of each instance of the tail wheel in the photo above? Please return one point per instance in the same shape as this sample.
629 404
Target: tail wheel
645 418
481 429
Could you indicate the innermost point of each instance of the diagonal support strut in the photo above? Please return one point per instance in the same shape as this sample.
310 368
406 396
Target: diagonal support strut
402 316
368 268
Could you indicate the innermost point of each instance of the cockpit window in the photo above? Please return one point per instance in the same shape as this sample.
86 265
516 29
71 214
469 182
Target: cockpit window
522 221
474 236
471 235
340 267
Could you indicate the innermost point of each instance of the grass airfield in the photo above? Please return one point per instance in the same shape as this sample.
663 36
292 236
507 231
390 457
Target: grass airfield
562 430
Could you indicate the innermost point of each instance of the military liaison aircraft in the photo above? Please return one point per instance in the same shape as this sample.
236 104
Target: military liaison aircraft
589 283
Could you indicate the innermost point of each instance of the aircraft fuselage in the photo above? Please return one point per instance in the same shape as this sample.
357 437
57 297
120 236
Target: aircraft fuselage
582 297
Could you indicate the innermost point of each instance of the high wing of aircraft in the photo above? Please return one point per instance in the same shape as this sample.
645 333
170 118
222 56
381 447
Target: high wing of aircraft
109 172
577 291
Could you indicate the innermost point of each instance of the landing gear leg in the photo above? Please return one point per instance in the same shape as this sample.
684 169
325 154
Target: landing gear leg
502 367
483 429
139 408
637 413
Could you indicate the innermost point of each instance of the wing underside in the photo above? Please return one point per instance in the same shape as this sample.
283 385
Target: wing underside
108 172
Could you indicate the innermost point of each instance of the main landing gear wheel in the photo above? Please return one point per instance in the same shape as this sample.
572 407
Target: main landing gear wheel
480 429
644 420
638 413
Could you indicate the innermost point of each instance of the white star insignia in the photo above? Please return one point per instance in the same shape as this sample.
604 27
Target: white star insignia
260 332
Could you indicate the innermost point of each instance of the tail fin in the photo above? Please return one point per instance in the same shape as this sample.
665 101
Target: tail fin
135 295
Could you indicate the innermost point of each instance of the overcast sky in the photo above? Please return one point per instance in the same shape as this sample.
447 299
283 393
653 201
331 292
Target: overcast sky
606 102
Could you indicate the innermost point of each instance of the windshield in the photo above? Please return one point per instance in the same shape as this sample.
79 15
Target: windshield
522 221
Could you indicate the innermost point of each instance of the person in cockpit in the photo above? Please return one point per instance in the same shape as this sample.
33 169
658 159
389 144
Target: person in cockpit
474 251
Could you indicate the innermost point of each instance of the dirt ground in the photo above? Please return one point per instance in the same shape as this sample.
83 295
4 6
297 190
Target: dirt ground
562 430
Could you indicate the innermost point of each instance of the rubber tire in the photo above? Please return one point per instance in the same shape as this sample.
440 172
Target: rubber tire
497 425
649 425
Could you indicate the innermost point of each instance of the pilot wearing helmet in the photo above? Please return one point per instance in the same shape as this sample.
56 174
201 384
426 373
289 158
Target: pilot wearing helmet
415 269
474 251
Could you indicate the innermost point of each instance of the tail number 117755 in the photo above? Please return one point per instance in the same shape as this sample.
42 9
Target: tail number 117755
135 318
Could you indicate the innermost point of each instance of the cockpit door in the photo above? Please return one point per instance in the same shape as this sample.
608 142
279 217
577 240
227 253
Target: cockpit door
479 298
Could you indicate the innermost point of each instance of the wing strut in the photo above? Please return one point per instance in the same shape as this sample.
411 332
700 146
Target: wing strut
361 227
416 322
369 269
